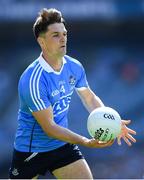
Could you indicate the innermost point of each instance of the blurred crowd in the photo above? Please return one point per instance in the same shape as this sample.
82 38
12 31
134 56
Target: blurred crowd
111 50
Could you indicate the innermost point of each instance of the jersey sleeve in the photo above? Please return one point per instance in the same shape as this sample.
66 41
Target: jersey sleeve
35 94
82 79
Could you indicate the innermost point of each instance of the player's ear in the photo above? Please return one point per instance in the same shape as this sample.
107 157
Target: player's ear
40 41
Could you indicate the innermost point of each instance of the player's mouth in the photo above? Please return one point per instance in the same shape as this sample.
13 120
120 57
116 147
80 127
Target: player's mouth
64 46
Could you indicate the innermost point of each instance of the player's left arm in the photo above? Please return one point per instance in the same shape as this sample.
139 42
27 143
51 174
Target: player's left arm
91 102
89 99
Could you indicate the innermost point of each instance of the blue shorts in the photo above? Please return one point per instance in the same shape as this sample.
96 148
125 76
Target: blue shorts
26 165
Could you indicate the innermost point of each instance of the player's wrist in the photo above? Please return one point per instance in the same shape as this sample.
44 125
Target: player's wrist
84 141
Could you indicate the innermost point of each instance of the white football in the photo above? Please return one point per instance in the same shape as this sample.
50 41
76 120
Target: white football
104 124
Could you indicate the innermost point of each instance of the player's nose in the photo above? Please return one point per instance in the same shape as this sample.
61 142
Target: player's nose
63 39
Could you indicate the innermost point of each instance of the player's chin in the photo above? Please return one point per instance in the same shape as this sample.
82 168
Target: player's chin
63 52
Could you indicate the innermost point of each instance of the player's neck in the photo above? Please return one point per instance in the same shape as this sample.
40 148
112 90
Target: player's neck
54 62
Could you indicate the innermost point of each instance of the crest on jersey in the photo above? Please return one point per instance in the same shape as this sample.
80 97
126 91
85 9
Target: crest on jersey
72 80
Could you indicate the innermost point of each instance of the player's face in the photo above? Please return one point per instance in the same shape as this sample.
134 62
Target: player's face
55 40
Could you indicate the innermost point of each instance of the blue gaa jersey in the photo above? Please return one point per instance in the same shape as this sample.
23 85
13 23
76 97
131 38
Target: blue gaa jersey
40 87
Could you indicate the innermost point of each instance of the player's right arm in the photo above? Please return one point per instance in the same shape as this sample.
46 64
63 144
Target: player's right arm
45 119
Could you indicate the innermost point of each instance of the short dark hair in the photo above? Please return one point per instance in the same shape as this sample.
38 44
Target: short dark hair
45 18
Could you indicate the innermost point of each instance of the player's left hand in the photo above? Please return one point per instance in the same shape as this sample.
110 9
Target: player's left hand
126 133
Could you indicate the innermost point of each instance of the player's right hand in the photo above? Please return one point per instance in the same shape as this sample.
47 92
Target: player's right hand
93 143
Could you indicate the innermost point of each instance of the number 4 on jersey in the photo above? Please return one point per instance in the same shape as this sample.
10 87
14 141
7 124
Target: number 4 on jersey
62 89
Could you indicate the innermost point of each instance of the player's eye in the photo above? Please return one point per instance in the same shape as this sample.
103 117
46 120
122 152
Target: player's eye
65 34
55 35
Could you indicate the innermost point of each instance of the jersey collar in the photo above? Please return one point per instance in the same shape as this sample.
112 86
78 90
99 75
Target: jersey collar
47 67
